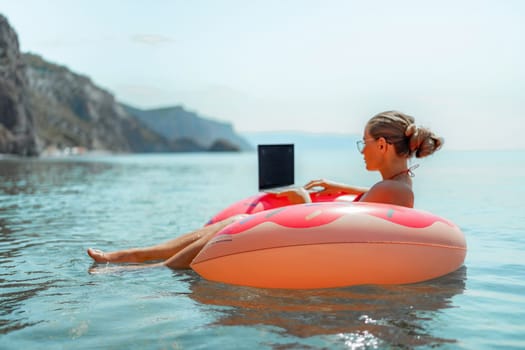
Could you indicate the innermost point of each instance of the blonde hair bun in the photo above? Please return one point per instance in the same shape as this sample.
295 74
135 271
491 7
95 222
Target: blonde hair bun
424 142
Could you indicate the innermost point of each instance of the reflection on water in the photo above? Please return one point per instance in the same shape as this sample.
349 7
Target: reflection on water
34 199
33 176
366 314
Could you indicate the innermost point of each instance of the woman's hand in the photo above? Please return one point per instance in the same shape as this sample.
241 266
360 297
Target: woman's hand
296 195
328 187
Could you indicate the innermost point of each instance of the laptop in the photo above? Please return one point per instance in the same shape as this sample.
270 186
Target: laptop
276 167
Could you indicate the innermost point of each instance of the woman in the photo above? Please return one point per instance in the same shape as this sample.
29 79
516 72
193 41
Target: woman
390 140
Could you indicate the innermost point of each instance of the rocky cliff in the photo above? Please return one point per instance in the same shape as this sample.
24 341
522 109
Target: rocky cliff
71 111
45 107
17 134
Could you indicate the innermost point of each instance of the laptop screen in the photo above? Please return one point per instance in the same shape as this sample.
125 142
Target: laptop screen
276 165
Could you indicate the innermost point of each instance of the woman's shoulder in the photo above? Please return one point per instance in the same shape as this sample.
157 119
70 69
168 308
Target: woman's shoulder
391 192
393 184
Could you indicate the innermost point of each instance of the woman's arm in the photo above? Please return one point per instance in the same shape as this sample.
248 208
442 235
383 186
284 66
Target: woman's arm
302 195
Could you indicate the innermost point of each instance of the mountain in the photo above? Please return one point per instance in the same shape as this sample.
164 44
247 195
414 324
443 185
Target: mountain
178 123
71 111
47 108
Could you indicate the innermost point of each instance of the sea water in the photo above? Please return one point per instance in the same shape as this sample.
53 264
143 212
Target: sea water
51 210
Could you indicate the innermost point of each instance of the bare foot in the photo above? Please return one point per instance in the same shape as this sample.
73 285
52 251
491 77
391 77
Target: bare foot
97 255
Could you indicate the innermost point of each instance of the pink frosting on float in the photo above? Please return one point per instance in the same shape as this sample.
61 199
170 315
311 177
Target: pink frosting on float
318 214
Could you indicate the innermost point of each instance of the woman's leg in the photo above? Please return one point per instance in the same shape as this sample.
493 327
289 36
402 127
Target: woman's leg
183 258
180 260
166 250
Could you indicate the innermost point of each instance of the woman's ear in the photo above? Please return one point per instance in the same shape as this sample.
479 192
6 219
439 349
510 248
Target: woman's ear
381 143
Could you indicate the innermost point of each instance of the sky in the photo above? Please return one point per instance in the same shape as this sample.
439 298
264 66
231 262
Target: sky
457 66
